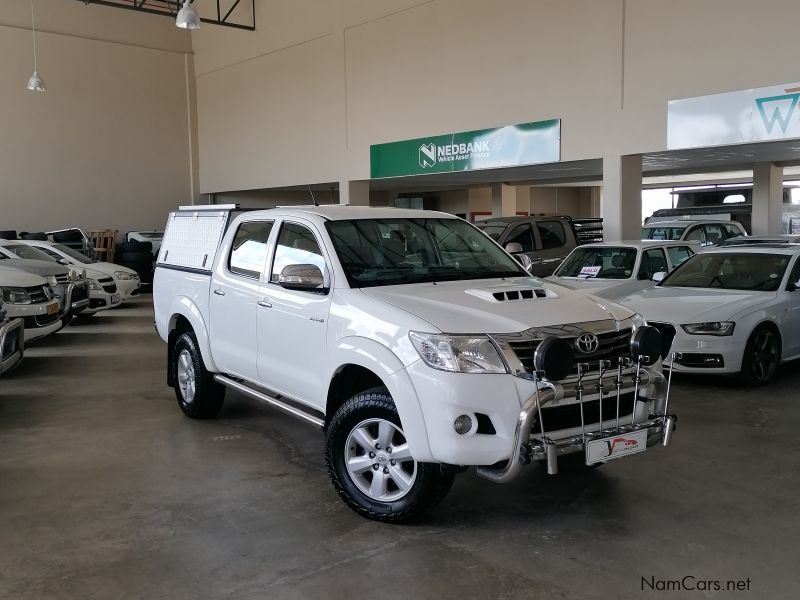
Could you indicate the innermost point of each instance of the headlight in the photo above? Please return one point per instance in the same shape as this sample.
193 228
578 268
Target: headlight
15 295
460 354
124 275
48 291
711 328
94 286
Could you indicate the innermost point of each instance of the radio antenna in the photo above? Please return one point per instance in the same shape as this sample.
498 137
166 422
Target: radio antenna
310 191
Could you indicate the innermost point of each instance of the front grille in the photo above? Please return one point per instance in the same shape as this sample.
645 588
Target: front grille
667 332
612 345
39 321
568 416
64 278
37 294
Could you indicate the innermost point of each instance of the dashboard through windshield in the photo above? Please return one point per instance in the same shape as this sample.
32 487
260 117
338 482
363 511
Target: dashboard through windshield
375 252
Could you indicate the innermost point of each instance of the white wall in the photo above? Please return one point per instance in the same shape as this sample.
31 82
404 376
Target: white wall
301 99
107 145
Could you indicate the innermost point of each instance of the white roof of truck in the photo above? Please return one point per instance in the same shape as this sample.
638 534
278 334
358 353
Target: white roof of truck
342 212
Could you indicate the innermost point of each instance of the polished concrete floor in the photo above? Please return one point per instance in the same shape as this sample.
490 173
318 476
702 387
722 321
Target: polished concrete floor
107 491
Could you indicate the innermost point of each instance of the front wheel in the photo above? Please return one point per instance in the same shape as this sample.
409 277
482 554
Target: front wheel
370 464
762 354
198 395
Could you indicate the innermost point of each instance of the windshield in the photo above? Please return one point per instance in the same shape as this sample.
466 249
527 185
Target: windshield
494 230
377 252
25 251
730 271
73 254
599 263
662 233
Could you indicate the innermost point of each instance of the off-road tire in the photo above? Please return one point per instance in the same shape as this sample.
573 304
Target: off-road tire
430 485
208 395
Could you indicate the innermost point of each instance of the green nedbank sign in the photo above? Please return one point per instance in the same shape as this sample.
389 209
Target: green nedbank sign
510 146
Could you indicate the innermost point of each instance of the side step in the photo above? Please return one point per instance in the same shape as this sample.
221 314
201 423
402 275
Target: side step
271 400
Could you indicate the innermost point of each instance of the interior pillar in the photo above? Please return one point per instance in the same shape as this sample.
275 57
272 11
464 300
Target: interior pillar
504 200
767 198
355 193
621 204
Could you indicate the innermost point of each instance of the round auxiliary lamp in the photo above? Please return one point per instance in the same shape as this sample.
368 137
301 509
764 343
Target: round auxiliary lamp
554 356
646 342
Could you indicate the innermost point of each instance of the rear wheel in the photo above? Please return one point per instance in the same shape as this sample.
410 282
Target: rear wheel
198 395
370 464
762 354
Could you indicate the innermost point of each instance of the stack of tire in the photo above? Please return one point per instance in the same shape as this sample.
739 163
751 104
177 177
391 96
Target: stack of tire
137 256
40 236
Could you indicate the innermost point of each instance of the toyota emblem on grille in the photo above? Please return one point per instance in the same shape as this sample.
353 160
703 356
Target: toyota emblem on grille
587 343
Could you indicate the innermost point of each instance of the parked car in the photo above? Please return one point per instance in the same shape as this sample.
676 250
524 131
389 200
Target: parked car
125 280
540 242
415 342
752 240
97 291
12 338
613 270
729 310
29 297
706 233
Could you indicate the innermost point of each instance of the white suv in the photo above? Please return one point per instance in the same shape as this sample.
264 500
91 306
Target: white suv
417 344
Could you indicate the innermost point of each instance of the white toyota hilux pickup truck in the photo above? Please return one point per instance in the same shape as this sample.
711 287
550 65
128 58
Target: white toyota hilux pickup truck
416 343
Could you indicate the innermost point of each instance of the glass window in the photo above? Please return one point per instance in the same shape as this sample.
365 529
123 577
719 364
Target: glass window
249 248
74 254
25 251
678 254
552 234
375 252
522 235
794 276
601 262
696 235
653 261
752 271
662 233
732 230
714 234
494 229
296 246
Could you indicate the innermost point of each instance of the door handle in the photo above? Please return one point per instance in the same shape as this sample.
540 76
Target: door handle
265 304
219 292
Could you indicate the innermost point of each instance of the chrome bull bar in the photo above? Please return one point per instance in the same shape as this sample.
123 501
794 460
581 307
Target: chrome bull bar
527 446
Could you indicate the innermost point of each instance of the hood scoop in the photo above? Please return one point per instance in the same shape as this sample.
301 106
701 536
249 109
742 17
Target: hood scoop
511 294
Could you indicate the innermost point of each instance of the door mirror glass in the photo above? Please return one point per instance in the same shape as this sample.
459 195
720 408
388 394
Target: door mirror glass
63 261
659 277
301 277
513 247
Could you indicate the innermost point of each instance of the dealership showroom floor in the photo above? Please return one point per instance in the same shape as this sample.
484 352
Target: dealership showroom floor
109 491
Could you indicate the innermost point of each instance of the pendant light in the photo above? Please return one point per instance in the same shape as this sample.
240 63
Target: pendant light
187 17
35 83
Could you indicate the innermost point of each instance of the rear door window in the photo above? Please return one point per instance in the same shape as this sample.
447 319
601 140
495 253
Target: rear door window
678 254
696 234
249 249
714 234
653 261
552 234
731 230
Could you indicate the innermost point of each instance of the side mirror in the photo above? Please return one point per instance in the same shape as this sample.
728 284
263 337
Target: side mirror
659 276
302 277
63 261
513 247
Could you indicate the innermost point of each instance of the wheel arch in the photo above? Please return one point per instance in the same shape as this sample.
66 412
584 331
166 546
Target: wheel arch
185 317
769 324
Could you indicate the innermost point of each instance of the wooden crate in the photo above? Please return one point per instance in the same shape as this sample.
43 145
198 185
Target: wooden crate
105 241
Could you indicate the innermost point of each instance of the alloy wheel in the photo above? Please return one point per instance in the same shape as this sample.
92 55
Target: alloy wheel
186 376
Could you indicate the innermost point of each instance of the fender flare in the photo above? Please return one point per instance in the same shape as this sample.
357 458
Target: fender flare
372 355
185 307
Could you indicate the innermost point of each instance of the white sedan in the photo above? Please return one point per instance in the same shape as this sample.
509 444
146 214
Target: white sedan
612 270
729 310
125 281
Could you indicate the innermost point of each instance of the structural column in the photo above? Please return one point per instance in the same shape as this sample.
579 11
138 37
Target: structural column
767 198
504 200
621 203
355 193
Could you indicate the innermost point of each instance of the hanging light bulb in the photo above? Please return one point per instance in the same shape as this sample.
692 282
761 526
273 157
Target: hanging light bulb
35 83
187 17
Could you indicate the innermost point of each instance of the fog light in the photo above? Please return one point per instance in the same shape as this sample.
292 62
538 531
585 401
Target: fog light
462 424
